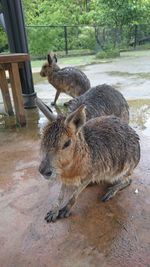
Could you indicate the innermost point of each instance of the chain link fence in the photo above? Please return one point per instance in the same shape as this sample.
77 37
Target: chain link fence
80 40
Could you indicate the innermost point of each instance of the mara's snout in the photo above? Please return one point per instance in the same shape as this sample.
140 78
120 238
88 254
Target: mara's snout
42 74
45 171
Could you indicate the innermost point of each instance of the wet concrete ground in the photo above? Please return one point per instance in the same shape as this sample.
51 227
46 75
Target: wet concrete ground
115 233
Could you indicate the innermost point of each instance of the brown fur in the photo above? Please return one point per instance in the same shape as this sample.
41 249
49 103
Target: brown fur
68 80
102 100
103 149
69 172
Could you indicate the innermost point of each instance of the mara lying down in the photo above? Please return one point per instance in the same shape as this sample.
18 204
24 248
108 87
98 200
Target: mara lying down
77 152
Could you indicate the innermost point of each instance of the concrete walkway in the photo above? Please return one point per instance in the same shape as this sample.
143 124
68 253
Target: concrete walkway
115 233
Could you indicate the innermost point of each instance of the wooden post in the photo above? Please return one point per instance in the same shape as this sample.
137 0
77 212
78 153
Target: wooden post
17 93
5 92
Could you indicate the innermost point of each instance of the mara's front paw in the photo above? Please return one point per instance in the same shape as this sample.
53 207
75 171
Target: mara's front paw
52 216
64 212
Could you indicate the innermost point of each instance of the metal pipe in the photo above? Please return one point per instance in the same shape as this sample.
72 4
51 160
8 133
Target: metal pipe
17 41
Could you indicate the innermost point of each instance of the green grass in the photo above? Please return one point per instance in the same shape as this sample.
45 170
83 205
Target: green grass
36 63
136 53
112 53
76 61
89 59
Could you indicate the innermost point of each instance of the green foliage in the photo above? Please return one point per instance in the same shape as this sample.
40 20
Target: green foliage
97 12
112 53
3 40
43 40
113 23
123 12
81 38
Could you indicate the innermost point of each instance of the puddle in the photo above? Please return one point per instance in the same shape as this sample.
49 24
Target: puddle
140 114
119 73
35 122
9 129
139 118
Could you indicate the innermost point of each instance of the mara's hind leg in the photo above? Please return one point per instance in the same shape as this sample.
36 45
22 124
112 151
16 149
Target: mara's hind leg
121 184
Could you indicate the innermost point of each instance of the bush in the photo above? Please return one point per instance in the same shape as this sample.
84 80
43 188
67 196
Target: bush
108 54
87 38
43 40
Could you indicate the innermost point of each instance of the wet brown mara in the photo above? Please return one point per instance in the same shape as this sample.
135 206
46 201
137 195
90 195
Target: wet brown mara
102 100
76 152
69 80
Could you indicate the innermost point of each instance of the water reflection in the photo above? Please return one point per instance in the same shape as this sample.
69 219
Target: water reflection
140 114
35 122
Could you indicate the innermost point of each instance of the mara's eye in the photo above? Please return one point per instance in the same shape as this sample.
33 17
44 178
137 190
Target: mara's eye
67 144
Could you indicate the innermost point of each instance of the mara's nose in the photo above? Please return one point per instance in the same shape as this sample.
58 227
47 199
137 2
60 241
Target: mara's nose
48 173
45 172
42 74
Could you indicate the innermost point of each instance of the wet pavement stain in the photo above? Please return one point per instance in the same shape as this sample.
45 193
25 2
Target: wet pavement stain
115 233
128 74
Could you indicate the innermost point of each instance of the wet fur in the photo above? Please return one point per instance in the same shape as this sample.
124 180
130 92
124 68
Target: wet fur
67 80
103 149
102 100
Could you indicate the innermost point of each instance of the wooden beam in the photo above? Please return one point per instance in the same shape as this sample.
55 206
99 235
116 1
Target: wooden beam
13 58
5 93
17 93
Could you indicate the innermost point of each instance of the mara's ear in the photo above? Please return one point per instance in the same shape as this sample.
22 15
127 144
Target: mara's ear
76 119
55 58
45 109
49 59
